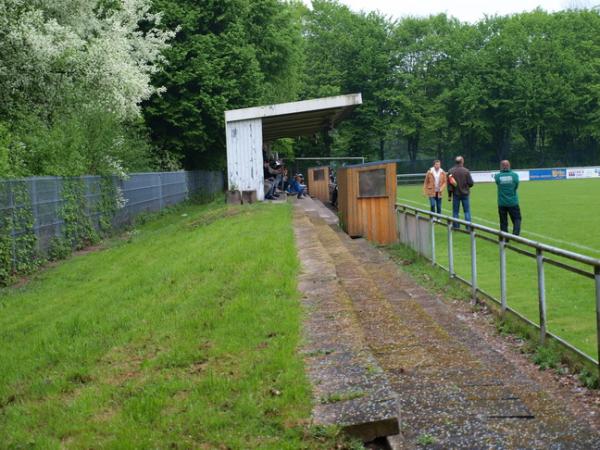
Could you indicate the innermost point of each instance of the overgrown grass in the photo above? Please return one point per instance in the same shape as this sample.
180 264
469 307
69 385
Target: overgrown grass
550 356
181 333
557 213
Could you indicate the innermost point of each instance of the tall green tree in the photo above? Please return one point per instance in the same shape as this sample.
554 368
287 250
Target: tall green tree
423 82
227 54
349 52
71 71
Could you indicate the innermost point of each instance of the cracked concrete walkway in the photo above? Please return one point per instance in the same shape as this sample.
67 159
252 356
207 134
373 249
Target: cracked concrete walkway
382 350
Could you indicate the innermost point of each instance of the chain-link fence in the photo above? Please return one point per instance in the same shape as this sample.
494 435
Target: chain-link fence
35 205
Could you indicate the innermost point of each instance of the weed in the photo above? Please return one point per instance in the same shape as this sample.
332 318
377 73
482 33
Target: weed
371 370
589 378
546 358
426 439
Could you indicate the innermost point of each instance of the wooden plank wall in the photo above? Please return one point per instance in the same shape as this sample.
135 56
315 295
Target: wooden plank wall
371 217
319 188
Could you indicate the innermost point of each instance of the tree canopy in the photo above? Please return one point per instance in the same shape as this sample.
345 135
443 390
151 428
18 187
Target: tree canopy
104 86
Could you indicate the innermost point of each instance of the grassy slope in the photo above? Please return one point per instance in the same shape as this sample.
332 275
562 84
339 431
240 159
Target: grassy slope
561 210
184 334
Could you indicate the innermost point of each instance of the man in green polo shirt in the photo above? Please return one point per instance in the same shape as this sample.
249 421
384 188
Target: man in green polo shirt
507 182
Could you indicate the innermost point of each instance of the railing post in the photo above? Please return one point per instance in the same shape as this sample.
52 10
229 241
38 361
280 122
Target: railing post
450 251
473 264
418 234
432 225
541 294
597 280
502 246
406 233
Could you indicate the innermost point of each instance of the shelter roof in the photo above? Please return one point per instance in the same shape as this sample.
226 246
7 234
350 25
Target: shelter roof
298 118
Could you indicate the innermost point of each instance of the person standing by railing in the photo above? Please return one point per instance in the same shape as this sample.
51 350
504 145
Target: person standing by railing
507 182
460 183
434 185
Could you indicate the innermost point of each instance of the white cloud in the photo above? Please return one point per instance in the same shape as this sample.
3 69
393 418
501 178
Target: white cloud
466 10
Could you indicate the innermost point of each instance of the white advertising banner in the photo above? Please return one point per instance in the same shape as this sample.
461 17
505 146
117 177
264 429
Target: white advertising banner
488 176
583 172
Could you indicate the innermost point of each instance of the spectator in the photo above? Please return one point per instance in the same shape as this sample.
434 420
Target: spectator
297 186
507 183
460 183
434 185
272 173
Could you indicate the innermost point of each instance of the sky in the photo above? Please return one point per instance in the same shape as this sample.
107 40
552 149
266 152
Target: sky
465 10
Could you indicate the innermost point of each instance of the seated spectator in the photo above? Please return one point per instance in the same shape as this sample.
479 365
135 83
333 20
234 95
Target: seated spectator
273 176
297 186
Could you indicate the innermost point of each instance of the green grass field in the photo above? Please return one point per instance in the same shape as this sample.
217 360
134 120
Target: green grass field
559 213
181 334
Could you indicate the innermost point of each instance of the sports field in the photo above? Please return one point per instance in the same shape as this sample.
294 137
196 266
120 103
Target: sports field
559 213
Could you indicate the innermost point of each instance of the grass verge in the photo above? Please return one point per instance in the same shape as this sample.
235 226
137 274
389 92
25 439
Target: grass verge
181 333
550 356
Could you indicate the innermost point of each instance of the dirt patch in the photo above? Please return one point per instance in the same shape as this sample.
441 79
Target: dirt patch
90 249
125 362
212 216
198 367
105 415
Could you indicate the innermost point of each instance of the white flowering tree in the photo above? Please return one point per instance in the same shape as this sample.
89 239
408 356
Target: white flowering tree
80 55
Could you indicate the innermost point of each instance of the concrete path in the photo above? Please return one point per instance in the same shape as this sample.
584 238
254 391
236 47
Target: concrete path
384 356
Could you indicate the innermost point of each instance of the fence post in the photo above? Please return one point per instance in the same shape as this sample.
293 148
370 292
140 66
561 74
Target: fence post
34 209
541 294
597 280
450 251
406 233
160 192
59 231
418 234
473 264
432 225
502 246
13 235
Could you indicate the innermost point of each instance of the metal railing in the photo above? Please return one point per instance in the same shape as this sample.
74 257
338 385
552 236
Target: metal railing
416 228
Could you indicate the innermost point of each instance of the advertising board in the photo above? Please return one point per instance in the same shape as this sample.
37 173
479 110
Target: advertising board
488 176
583 172
547 174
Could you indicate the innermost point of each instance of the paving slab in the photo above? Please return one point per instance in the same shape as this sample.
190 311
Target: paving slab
350 389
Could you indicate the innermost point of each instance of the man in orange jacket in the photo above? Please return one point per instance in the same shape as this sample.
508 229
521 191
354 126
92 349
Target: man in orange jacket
434 185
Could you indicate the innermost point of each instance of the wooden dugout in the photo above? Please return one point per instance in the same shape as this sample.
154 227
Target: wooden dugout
366 201
318 183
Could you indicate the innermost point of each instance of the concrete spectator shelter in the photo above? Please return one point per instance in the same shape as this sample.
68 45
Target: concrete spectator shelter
247 129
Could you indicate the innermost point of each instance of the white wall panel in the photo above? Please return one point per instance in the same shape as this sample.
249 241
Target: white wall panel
244 156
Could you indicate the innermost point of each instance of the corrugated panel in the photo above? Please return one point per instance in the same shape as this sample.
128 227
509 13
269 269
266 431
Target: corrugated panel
244 156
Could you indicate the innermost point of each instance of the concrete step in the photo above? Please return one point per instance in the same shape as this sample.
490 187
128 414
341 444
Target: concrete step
349 388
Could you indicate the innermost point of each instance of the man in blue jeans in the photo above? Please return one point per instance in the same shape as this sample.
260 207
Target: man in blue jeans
460 183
